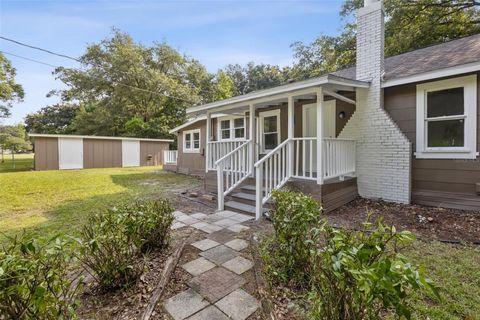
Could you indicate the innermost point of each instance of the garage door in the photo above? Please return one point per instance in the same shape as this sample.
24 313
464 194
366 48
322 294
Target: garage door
130 153
70 153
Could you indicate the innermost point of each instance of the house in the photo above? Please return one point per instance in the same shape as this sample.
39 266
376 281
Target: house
60 152
403 129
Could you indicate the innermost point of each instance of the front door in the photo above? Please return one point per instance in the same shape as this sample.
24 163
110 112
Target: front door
309 127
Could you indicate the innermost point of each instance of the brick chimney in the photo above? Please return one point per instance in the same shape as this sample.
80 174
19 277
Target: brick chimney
370 41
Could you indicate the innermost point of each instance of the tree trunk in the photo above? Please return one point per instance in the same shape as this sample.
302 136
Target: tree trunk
3 160
13 158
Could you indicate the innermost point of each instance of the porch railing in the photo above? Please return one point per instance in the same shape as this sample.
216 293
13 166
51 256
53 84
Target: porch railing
305 155
232 169
338 157
218 149
271 172
170 156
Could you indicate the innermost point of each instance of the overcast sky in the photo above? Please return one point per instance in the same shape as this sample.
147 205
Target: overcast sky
214 32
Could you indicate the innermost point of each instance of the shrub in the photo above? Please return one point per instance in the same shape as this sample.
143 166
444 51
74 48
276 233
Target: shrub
149 222
357 275
113 240
293 217
34 283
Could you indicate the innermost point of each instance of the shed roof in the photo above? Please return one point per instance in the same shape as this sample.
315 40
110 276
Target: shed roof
44 135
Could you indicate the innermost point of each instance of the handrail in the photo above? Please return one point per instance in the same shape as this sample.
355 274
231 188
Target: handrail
231 152
259 162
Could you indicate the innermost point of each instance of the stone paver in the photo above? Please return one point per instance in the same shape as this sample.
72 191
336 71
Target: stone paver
222 236
237 244
188 220
238 265
225 222
177 225
177 214
238 228
185 304
219 254
216 283
241 217
238 305
213 218
209 228
225 213
199 216
210 313
198 266
205 244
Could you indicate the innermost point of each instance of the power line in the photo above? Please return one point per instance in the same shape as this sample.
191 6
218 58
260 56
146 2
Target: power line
99 78
40 49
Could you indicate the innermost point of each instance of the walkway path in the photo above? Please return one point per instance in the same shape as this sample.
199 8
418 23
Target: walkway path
219 272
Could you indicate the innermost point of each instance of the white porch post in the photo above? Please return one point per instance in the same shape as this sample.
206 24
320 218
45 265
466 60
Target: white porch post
290 135
208 135
319 135
251 146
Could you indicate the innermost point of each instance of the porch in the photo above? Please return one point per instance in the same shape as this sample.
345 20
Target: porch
268 141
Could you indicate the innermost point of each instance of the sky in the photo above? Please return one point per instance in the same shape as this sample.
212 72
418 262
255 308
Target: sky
216 33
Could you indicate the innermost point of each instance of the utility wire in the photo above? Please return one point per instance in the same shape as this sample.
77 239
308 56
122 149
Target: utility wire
98 78
40 49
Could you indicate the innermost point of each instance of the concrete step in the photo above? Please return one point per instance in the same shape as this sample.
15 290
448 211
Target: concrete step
241 207
244 196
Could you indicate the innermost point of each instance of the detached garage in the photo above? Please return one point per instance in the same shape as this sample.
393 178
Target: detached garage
53 152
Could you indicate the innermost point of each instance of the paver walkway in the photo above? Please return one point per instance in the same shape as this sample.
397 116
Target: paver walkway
215 291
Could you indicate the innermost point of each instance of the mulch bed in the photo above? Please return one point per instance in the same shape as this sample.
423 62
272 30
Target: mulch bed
428 223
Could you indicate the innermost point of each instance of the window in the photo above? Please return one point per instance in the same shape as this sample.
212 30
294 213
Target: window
270 130
232 128
191 141
447 119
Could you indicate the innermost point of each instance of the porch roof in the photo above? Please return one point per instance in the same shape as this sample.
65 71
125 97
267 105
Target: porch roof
278 92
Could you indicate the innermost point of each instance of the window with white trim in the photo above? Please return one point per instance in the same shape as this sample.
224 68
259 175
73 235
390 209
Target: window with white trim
232 128
269 130
191 141
447 119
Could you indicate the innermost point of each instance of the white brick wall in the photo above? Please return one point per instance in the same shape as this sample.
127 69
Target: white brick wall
383 151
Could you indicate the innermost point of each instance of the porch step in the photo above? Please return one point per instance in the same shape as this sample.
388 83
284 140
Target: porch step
242 207
244 196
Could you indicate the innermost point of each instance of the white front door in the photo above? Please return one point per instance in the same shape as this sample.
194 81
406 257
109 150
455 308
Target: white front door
309 127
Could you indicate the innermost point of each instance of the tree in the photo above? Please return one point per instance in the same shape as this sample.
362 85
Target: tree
14 138
55 119
123 81
254 77
409 25
225 87
10 91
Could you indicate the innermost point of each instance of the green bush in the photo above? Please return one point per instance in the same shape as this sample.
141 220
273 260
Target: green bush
149 222
294 214
348 274
34 283
358 275
112 241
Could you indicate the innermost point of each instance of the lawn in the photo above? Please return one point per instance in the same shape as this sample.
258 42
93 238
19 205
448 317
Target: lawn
23 162
455 270
45 203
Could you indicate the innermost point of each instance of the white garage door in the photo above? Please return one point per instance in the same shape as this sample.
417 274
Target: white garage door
70 153
130 153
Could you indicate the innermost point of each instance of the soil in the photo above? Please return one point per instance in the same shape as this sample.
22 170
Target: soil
428 223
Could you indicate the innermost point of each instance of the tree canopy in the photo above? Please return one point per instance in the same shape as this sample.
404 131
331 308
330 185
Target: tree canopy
52 119
10 91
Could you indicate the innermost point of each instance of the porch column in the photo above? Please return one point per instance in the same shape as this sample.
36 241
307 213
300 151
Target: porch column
319 135
251 136
290 135
208 136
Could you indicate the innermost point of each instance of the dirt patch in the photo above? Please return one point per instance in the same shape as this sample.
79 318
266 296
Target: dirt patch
426 222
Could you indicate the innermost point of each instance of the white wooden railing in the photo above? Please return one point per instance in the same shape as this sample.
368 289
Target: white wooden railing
232 169
305 158
271 173
218 149
338 157
170 156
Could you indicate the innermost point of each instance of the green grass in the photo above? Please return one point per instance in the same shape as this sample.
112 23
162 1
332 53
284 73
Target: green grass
23 162
456 270
45 203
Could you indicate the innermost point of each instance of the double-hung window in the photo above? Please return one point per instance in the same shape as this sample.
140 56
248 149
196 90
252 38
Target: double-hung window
269 130
191 141
232 128
447 119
